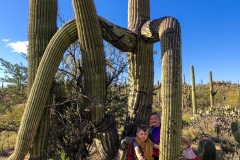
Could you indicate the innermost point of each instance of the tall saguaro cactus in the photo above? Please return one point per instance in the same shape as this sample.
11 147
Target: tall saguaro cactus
194 103
170 37
212 92
91 46
140 68
42 26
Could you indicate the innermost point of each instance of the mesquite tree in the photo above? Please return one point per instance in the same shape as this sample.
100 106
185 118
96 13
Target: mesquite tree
137 41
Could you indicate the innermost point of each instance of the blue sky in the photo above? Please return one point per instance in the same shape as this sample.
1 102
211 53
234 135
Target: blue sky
210 32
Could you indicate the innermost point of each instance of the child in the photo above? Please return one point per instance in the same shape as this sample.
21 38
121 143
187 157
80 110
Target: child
154 132
143 146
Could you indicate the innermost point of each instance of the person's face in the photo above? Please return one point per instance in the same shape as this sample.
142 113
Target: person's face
142 135
154 121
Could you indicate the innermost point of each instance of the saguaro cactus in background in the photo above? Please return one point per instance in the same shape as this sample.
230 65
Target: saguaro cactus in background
194 102
212 92
184 92
159 93
42 26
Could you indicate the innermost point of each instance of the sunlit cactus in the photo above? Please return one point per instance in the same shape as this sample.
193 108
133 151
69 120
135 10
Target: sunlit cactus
194 103
171 89
42 26
212 92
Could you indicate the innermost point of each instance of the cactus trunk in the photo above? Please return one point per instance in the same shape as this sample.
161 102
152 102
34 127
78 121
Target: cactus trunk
91 45
42 26
194 103
140 69
171 92
211 89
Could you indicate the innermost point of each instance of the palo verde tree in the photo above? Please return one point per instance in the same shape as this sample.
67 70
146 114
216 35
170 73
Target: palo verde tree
137 41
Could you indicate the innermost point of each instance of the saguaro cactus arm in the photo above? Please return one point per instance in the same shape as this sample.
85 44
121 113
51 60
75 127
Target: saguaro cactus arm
41 86
167 30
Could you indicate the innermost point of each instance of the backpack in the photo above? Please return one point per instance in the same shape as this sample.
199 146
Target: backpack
131 152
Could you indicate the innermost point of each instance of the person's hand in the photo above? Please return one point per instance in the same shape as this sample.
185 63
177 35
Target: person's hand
188 143
139 156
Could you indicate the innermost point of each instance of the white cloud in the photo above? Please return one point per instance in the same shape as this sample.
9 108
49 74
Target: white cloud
5 40
19 46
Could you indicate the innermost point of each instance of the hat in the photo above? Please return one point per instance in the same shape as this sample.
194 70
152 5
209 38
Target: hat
190 155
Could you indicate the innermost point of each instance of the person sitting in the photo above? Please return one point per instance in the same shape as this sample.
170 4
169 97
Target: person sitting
154 133
143 146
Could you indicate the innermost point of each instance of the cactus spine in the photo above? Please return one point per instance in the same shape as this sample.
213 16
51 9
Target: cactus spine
194 103
171 89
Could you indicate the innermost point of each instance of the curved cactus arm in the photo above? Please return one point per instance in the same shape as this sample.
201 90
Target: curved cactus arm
41 86
167 30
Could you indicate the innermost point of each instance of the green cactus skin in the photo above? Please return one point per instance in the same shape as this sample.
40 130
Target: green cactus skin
171 89
184 92
140 69
159 93
194 102
235 131
93 57
42 26
212 92
41 87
